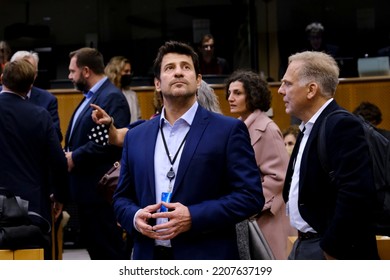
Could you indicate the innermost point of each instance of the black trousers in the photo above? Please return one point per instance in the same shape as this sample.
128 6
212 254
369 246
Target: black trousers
307 249
100 233
163 253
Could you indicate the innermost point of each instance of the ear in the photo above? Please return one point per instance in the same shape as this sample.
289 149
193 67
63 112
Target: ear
157 84
199 80
312 90
86 71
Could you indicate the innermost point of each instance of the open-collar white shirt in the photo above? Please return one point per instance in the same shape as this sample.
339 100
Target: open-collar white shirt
296 219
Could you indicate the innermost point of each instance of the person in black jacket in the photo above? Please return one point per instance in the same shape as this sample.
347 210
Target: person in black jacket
40 96
30 151
328 214
89 161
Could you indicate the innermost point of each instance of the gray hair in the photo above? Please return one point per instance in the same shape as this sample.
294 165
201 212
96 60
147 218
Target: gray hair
318 67
314 28
207 98
25 54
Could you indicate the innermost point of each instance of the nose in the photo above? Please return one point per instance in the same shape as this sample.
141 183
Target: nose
281 90
178 72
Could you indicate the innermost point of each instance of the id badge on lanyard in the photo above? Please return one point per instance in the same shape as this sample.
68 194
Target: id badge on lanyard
165 197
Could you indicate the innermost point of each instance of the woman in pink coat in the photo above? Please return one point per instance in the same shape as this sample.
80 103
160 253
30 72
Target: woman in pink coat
249 97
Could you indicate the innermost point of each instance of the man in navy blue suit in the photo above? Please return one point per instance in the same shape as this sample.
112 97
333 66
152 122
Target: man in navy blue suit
88 161
333 217
30 151
189 175
40 96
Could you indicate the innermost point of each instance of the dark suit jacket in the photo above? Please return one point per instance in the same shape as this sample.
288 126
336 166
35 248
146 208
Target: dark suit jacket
217 179
341 211
92 160
384 132
45 99
48 101
30 152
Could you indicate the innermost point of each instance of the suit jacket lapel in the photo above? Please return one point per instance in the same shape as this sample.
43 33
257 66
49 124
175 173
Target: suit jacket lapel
304 161
78 118
150 139
290 170
310 141
86 107
197 128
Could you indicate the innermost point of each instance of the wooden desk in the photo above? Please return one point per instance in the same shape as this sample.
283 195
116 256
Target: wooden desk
350 93
68 99
25 254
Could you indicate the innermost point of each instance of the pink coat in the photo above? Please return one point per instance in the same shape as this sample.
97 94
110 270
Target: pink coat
272 159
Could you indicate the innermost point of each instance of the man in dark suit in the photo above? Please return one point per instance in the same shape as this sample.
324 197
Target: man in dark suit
333 218
189 175
30 151
38 96
88 161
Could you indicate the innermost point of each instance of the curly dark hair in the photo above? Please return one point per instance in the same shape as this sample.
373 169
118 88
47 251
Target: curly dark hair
370 112
258 95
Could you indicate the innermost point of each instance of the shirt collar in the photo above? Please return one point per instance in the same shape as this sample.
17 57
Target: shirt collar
188 116
96 87
310 123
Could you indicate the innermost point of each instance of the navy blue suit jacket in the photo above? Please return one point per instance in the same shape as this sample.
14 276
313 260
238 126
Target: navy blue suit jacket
45 99
92 160
48 101
31 154
217 179
341 212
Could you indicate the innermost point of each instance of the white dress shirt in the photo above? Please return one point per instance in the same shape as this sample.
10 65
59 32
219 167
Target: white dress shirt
296 219
174 135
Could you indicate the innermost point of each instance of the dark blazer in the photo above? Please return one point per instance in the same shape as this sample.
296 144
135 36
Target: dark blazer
30 152
217 179
48 101
384 132
92 160
45 99
341 211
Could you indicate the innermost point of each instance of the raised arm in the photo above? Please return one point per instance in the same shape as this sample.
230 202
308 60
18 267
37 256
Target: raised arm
116 136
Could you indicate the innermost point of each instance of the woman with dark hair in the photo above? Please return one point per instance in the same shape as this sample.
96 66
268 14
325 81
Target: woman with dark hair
249 97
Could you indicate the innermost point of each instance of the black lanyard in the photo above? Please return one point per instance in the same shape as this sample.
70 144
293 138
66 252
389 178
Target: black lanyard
171 172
